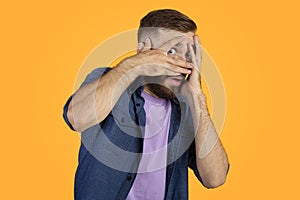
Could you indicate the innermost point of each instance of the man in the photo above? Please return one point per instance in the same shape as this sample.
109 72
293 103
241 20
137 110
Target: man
142 123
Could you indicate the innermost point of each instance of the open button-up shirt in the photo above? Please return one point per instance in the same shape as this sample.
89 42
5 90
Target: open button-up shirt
110 151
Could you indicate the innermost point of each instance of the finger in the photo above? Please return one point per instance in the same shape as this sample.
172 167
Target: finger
176 60
198 50
197 59
193 61
192 54
198 39
180 70
171 43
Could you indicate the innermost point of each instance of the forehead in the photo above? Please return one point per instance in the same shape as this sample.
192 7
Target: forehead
172 33
164 35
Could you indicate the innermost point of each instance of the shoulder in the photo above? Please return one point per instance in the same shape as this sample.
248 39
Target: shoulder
95 74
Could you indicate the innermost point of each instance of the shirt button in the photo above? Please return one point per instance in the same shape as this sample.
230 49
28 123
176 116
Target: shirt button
128 177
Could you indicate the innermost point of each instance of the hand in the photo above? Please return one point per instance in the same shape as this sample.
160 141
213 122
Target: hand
156 62
193 85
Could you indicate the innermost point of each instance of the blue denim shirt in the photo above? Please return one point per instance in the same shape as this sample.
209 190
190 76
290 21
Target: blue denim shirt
111 150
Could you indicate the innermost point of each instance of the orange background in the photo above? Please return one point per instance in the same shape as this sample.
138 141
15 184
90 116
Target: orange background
255 45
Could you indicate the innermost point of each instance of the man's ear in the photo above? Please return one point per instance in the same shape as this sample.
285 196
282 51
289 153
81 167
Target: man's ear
140 47
144 45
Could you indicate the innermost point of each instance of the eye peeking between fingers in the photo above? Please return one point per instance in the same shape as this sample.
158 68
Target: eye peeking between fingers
188 56
172 51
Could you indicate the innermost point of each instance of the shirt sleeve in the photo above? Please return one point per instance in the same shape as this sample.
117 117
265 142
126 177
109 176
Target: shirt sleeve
94 75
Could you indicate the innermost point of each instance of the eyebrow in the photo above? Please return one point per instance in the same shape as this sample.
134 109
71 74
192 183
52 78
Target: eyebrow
178 44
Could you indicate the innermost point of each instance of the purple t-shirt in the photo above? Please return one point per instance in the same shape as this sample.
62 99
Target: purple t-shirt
151 178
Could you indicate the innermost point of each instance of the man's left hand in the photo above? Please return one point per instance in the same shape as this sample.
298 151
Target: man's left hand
193 84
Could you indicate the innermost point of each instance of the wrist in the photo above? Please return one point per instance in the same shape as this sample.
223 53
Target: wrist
127 68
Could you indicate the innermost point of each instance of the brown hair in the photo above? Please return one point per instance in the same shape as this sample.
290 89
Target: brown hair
169 19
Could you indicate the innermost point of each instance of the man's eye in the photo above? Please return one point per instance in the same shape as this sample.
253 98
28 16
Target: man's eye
172 51
187 55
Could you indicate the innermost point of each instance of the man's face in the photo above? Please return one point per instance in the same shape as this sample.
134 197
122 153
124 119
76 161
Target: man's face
168 86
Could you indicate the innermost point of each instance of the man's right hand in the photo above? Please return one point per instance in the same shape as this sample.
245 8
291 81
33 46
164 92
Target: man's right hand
157 62
93 102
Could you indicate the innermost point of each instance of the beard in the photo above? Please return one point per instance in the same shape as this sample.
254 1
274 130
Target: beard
155 85
161 91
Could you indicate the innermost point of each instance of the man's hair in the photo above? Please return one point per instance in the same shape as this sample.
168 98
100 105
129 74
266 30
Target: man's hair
168 19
